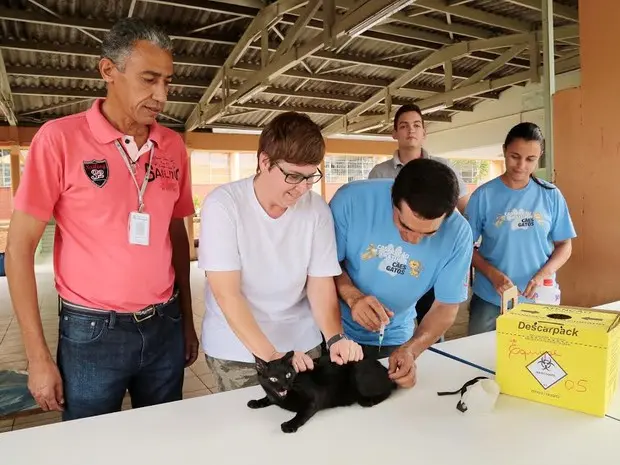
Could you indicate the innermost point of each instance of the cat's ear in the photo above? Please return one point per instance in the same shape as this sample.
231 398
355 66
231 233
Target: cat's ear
261 365
289 356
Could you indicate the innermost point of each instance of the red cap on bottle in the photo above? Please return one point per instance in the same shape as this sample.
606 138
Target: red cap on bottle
548 282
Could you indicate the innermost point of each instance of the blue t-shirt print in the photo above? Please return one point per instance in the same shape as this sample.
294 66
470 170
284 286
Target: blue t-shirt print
396 272
518 229
393 260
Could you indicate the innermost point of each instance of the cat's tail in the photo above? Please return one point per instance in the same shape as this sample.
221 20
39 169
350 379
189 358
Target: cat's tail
372 379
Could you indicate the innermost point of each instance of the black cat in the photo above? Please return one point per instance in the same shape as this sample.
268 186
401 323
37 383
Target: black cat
328 385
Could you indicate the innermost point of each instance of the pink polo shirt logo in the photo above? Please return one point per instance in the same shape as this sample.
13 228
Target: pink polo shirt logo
97 171
164 172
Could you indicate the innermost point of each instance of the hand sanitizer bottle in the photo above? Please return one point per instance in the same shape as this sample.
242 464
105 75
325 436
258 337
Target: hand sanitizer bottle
548 293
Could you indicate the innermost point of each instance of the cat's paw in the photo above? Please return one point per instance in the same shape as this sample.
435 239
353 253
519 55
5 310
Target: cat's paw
254 404
289 427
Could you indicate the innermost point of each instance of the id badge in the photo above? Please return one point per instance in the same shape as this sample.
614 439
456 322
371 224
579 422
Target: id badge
139 226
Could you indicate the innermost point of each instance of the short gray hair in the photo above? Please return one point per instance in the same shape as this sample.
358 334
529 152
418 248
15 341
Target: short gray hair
120 40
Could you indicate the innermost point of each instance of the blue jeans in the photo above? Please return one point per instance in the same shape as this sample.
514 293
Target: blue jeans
482 315
101 355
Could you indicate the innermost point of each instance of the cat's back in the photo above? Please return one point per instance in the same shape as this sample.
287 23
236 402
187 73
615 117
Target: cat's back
327 372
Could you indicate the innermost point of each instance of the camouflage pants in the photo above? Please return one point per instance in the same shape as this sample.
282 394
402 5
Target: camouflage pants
231 375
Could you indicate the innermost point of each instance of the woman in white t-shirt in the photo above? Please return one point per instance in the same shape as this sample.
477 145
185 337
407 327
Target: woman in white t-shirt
268 248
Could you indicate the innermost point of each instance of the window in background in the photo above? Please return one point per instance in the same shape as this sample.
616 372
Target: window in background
346 168
247 164
210 168
5 168
341 169
473 172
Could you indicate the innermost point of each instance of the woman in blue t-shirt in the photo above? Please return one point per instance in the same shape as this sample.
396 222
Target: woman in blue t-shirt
525 227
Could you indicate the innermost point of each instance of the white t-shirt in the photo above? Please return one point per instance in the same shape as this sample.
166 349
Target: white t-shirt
275 257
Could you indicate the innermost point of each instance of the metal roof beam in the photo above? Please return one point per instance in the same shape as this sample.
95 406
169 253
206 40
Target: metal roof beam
383 33
247 9
6 96
56 15
86 93
493 66
64 73
25 16
244 70
264 18
492 84
305 109
285 92
476 15
473 89
214 62
387 33
480 16
354 21
89 94
447 53
559 10
298 28
56 106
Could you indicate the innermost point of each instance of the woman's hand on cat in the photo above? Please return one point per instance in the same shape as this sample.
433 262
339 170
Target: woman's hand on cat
368 312
344 351
402 368
301 361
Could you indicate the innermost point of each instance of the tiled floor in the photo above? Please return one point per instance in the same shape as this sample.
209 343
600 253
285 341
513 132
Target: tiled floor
198 380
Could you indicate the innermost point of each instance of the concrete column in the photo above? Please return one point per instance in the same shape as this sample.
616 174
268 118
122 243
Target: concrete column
548 85
587 161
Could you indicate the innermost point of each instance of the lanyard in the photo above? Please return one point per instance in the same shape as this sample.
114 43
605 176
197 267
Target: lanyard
142 189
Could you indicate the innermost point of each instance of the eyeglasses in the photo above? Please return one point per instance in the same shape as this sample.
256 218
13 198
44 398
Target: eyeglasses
297 178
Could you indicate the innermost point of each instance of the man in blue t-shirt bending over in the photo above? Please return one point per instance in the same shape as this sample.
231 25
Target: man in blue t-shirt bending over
396 239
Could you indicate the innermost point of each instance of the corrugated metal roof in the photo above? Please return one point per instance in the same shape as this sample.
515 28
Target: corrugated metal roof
53 66
440 16
511 10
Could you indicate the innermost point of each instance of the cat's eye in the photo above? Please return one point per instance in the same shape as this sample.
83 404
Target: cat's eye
273 379
288 375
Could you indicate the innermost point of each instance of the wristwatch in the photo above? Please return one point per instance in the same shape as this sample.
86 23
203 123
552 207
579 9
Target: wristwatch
332 340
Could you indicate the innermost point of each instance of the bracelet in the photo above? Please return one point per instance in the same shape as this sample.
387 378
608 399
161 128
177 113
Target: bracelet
332 340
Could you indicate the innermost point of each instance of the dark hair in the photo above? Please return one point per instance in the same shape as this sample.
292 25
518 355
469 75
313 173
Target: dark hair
294 138
406 109
120 40
528 132
429 187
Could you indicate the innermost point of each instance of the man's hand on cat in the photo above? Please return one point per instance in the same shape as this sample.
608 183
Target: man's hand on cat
344 351
402 368
369 313
301 361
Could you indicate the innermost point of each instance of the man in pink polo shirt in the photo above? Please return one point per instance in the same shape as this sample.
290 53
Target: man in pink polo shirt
118 185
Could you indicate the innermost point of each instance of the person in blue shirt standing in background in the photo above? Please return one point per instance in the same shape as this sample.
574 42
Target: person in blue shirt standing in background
396 239
524 226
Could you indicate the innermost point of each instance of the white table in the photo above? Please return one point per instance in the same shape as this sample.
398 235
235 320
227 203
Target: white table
414 426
